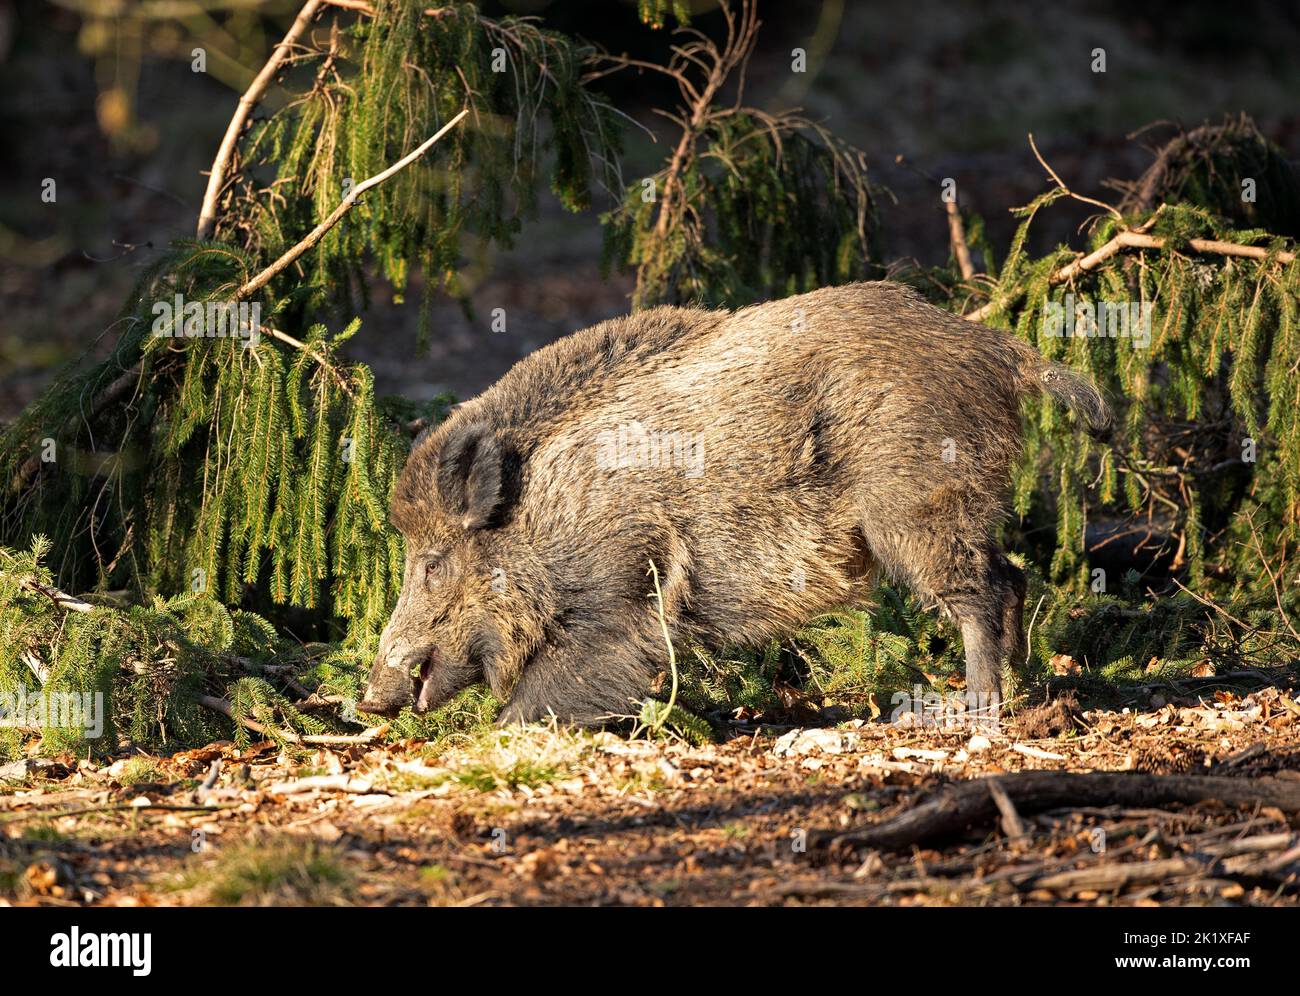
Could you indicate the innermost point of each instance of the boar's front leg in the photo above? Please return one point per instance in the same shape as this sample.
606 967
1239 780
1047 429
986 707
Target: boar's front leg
587 675
989 613
980 590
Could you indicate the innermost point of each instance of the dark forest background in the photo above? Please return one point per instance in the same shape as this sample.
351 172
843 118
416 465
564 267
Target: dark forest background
99 95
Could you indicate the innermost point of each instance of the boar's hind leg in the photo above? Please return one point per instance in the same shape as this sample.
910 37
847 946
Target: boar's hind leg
585 677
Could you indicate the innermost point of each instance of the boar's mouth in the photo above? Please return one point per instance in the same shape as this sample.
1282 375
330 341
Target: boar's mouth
424 684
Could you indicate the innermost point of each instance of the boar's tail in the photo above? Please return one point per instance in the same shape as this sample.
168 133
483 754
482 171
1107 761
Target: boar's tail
1075 391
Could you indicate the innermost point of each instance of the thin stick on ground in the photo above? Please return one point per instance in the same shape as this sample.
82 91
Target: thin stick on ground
56 814
1012 825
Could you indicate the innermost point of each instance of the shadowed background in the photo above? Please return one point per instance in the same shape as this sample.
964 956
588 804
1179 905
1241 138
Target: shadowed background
100 96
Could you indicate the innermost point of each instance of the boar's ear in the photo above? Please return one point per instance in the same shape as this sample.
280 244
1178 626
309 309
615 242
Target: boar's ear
470 473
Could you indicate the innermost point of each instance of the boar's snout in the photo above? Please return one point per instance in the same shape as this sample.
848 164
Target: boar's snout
392 685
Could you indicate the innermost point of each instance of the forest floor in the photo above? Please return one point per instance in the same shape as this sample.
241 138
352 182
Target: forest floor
543 816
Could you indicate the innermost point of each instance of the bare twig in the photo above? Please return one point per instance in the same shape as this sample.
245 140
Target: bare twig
1210 605
317 233
1012 825
1070 193
249 100
957 236
1272 575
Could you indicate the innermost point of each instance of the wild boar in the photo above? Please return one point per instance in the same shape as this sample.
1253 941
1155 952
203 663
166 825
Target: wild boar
770 461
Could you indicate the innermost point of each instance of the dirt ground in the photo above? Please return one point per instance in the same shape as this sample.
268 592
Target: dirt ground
543 816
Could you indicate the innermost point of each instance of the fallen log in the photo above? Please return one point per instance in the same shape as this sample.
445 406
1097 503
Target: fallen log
973 803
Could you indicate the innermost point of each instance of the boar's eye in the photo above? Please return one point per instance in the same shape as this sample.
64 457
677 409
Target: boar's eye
435 570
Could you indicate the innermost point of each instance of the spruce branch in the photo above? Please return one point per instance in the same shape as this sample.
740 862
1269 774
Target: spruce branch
747 202
1126 238
224 707
118 388
1133 239
317 233
123 384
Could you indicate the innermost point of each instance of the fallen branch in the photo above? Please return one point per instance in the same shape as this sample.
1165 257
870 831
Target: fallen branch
967 804
1139 240
122 807
1012 825
249 100
322 783
317 740
59 598
1107 878
1253 845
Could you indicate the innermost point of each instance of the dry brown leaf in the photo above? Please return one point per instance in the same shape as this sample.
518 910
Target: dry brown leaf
1064 664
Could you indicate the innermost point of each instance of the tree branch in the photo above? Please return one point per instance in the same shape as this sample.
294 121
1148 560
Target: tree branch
319 740
249 100
957 236
123 384
317 233
1139 240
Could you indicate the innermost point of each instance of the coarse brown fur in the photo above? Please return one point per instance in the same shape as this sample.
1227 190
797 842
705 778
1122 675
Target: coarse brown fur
770 461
